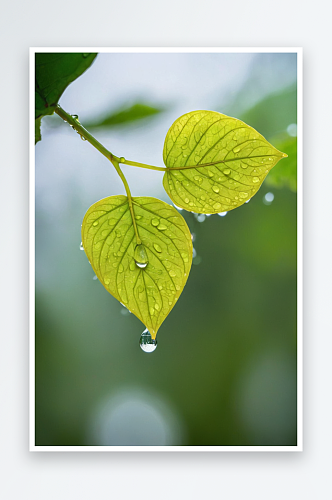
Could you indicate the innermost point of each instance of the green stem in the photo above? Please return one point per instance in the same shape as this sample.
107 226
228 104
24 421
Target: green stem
130 200
85 135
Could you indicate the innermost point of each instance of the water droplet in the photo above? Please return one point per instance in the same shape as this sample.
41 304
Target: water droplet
248 200
162 227
95 277
255 179
138 217
243 195
215 189
95 223
120 268
141 257
157 306
193 236
172 273
198 179
141 265
157 248
226 171
85 55
197 260
186 200
217 206
122 159
201 217
184 255
177 207
210 174
194 253
132 265
81 247
237 149
107 281
222 214
146 342
155 222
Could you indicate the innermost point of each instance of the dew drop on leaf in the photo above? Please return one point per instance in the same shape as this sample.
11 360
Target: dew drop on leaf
141 257
81 247
157 247
146 342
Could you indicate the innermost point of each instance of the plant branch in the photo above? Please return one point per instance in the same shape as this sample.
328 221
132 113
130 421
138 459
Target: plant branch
85 135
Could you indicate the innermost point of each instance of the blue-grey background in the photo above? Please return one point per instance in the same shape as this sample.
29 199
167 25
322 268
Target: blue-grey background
224 372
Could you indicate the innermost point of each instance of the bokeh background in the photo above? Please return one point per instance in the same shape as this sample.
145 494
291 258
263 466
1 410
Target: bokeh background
224 372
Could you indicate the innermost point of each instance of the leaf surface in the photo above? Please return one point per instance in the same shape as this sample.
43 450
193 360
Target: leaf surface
53 73
148 278
232 161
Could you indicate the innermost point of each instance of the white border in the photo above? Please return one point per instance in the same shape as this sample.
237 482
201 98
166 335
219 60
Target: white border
299 52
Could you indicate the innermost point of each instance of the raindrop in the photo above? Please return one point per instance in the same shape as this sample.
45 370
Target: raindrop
81 247
201 217
193 236
177 207
162 227
141 265
155 222
141 257
255 180
222 214
215 189
85 55
248 200
194 253
226 171
146 342
172 273
186 200
95 277
237 149
95 223
122 159
197 260
157 247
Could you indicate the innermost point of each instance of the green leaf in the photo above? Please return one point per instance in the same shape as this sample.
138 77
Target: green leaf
285 175
54 72
232 162
147 278
37 130
124 116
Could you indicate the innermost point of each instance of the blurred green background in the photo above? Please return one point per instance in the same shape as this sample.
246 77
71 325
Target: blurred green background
224 371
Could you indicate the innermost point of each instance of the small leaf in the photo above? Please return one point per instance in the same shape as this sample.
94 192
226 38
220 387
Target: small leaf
124 116
147 278
37 130
232 162
53 73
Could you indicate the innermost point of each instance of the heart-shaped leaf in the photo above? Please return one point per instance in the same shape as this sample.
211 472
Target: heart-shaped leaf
232 161
147 276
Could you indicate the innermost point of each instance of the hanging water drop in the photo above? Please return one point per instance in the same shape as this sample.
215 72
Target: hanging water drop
140 256
81 247
146 342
